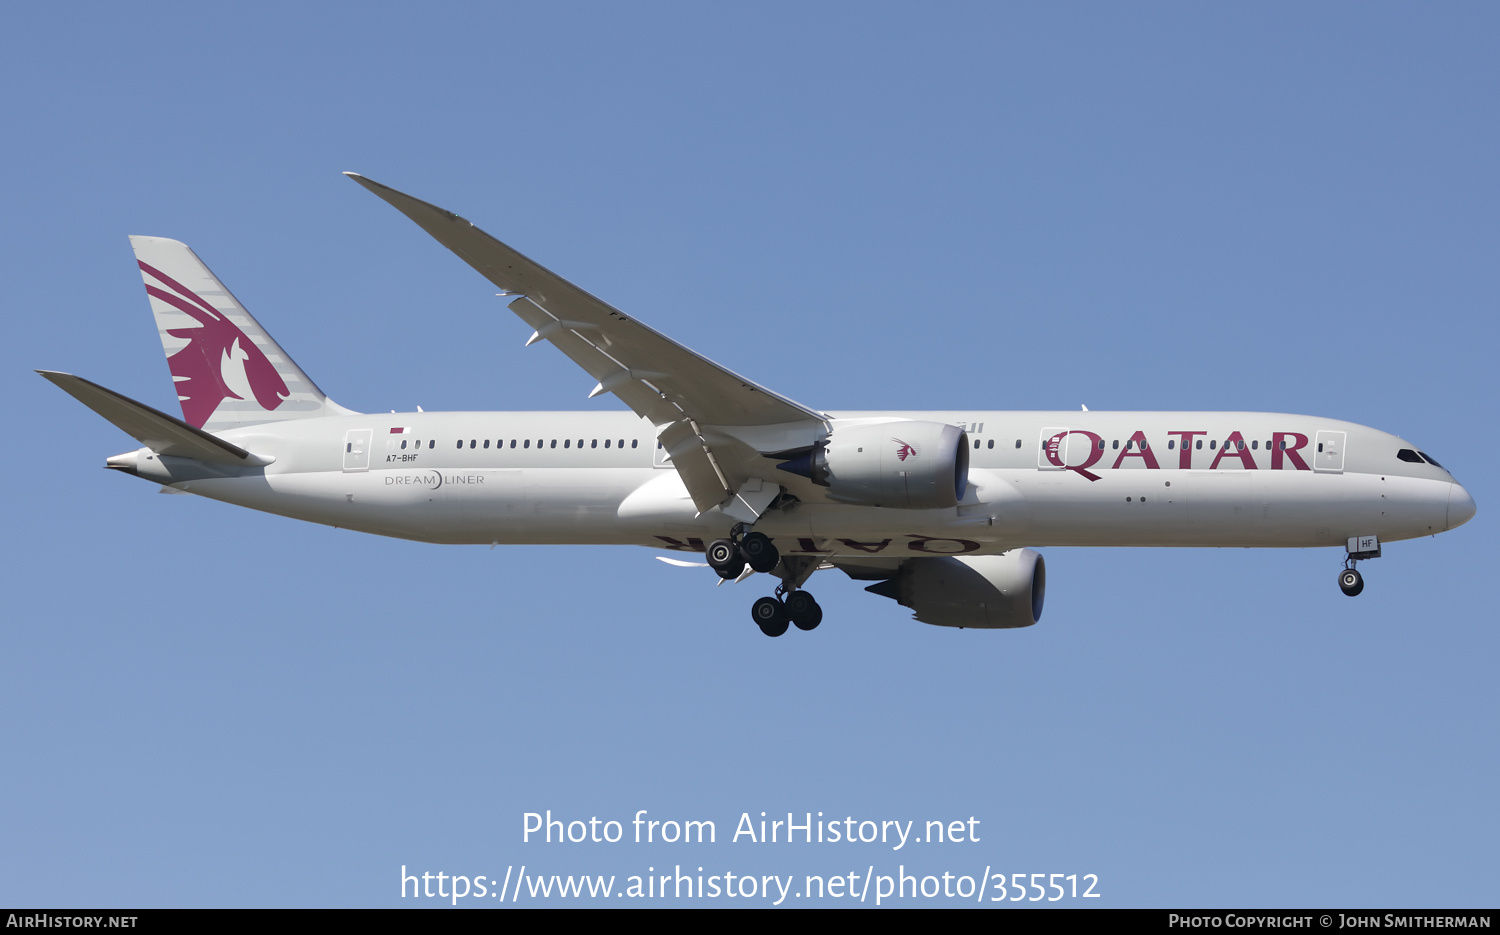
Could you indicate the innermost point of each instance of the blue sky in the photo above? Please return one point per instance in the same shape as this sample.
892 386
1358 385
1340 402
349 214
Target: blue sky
864 206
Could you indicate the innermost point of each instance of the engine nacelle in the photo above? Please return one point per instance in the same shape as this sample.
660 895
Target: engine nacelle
901 465
981 591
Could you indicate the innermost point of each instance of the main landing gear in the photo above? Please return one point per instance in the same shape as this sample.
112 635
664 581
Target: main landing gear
790 605
729 556
773 614
1351 582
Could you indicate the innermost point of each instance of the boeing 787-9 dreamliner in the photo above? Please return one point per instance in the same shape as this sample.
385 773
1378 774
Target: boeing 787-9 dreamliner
938 510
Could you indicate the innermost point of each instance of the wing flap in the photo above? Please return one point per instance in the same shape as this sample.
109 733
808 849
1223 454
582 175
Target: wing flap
701 475
586 348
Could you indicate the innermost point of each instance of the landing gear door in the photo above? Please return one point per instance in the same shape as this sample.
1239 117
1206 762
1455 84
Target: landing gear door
1052 448
357 449
1329 456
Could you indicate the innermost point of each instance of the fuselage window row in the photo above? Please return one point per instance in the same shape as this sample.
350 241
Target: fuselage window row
1404 454
540 443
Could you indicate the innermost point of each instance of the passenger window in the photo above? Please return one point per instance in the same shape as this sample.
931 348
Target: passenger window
1255 445
1018 443
554 444
460 443
976 444
991 443
1101 444
567 442
528 443
1116 445
594 443
486 443
403 446
1239 446
606 443
513 443
473 443
633 442
1171 444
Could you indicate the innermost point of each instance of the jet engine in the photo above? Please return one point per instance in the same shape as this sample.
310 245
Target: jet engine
982 591
902 465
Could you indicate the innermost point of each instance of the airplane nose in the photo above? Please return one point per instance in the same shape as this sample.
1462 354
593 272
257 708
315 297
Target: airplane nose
1460 506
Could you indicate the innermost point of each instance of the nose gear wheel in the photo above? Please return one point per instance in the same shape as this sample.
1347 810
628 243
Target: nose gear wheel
1351 582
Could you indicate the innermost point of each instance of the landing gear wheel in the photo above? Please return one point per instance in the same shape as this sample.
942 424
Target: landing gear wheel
804 611
721 552
1351 582
770 615
724 557
759 552
732 572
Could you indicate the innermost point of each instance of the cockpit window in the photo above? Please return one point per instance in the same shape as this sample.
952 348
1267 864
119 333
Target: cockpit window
1409 455
1430 459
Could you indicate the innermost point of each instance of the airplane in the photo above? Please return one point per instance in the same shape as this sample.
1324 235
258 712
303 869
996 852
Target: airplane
940 511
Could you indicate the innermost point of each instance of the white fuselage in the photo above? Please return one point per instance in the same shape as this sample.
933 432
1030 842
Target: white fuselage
1035 479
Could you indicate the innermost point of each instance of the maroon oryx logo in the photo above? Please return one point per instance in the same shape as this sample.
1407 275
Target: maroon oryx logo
905 451
219 362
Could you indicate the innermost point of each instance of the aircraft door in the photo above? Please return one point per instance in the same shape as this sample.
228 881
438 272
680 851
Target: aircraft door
1052 448
357 449
1328 457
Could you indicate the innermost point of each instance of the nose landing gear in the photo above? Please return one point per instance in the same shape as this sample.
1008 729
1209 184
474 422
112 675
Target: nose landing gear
1359 548
1351 582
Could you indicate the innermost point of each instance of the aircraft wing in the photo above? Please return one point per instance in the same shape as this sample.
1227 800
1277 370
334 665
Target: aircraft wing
683 393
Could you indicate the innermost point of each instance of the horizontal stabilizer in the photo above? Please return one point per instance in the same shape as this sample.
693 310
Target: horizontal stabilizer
156 430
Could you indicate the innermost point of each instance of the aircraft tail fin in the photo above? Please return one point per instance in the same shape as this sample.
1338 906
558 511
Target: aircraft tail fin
228 370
